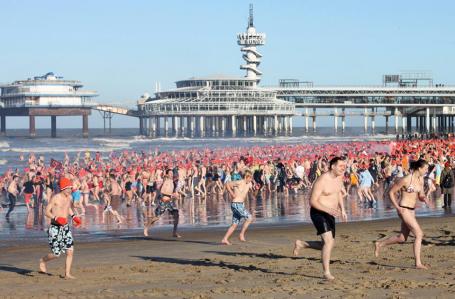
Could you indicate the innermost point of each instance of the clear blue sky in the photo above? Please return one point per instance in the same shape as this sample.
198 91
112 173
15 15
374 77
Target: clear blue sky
121 48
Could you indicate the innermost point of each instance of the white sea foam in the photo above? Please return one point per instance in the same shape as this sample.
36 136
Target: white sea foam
4 144
3 162
140 139
59 150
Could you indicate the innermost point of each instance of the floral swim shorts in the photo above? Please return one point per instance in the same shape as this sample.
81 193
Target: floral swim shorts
60 238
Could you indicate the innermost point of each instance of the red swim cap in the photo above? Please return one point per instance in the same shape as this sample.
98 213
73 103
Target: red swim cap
65 183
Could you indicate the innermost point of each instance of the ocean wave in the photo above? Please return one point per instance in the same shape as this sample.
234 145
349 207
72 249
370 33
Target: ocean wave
4 144
3 162
140 139
60 150
197 140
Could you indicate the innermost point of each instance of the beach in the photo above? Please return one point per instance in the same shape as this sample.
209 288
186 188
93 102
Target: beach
196 266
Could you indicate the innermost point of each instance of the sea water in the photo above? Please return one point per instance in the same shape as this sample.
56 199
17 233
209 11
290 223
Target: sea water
195 212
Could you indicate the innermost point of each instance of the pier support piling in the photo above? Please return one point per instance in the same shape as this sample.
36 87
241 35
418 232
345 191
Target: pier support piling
335 119
290 125
386 124
3 125
343 119
53 126
234 126
306 119
396 118
85 126
166 125
403 125
32 127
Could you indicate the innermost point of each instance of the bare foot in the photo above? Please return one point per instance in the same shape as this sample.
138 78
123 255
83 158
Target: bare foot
297 246
175 235
146 232
225 242
376 248
242 238
328 276
69 276
423 267
42 266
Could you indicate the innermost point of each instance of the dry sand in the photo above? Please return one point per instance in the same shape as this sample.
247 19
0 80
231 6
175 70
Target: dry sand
196 266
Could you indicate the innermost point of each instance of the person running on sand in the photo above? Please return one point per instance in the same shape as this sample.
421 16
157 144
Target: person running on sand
411 187
108 207
239 192
326 203
165 203
59 233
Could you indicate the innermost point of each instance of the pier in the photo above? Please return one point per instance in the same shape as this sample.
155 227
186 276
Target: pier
45 96
239 106
52 112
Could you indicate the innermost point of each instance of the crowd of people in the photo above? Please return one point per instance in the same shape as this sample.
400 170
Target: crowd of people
136 178
157 181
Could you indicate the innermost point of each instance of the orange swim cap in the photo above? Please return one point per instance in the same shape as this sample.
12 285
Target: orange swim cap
65 183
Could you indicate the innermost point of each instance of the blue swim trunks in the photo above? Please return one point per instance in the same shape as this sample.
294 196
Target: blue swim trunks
239 212
76 195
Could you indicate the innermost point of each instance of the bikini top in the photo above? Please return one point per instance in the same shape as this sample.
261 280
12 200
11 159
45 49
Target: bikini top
410 188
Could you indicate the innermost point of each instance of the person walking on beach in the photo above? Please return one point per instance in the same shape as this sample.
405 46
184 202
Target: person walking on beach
447 183
239 192
411 187
326 203
59 233
115 194
13 192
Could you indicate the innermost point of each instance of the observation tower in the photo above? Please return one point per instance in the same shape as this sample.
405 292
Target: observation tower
215 105
249 40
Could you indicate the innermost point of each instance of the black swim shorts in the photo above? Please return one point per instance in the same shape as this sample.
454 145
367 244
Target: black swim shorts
322 221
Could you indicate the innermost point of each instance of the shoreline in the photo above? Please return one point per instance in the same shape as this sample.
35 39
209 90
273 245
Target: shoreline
197 266
86 236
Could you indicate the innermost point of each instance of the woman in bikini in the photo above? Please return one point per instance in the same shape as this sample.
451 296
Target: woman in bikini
411 189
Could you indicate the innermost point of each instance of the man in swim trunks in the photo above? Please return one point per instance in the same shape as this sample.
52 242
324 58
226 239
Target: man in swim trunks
165 203
115 193
239 192
59 233
326 203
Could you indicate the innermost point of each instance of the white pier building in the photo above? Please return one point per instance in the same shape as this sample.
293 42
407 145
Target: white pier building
219 104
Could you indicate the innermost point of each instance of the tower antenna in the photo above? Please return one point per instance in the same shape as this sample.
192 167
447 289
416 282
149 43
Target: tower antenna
250 19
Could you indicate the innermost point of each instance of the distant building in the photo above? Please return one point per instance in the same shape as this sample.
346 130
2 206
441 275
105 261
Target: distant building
219 104
45 91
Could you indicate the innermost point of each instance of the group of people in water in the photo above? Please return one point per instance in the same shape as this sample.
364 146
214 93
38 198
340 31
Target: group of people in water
405 172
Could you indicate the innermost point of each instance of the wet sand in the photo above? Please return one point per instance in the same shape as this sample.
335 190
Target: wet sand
196 266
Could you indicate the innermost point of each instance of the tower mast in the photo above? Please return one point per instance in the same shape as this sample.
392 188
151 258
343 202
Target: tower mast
249 40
